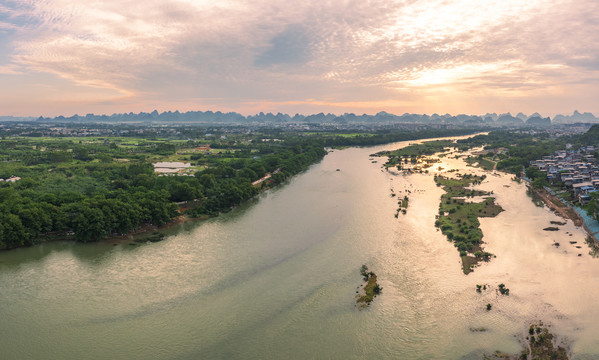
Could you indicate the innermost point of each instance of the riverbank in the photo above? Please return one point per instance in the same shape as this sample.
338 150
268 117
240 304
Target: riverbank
140 232
98 219
564 210
145 230
556 205
149 228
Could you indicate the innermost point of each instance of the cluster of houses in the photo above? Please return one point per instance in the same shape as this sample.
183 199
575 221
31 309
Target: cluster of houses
577 170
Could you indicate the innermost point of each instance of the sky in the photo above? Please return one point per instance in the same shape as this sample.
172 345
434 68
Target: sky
65 57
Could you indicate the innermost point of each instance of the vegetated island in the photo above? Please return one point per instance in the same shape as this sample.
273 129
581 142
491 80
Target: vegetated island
481 162
416 150
371 288
540 344
402 205
416 157
458 219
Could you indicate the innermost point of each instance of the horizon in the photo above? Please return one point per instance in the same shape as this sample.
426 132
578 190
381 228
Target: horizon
514 114
461 57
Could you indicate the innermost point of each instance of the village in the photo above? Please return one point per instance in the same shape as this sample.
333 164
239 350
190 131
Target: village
577 170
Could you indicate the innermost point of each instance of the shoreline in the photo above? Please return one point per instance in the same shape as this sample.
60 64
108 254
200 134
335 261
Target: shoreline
147 228
133 235
564 210
559 207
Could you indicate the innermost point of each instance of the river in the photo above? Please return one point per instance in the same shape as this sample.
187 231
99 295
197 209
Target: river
277 277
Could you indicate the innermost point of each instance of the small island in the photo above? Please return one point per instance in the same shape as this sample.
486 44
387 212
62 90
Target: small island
458 219
542 344
371 288
417 150
539 344
402 205
416 157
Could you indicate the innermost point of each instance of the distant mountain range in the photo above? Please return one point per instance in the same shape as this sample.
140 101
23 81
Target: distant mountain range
575 117
209 117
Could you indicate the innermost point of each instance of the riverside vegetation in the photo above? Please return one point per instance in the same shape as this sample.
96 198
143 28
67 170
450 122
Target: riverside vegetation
541 344
512 151
416 157
509 152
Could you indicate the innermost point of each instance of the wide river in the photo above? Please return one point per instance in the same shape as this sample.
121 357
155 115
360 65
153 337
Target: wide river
277 279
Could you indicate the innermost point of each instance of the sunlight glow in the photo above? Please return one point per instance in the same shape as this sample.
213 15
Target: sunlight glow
268 51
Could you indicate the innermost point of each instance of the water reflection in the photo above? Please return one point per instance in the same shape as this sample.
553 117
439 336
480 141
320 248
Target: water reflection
93 254
12 259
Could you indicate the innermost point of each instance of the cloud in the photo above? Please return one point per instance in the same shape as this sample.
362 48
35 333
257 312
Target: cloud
10 70
293 46
247 51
